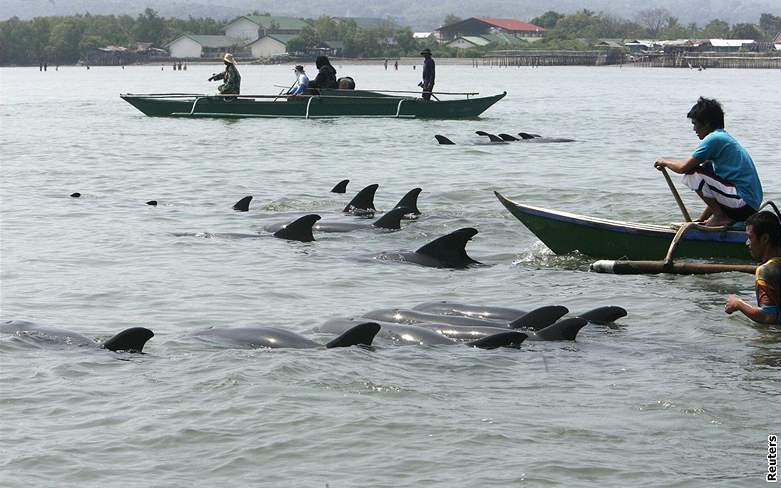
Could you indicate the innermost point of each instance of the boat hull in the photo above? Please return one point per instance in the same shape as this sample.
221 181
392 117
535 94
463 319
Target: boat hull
564 233
330 104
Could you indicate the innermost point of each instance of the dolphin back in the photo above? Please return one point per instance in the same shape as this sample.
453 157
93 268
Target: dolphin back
392 218
564 330
539 318
604 315
443 140
410 201
363 200
362 334
130 340
340 187
243 204
502 339
299 230
450 249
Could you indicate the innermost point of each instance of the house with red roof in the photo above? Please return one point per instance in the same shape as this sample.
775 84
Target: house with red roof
486 26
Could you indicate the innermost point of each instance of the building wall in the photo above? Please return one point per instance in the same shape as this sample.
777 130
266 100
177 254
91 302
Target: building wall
460 43
242 29
267 47
184 47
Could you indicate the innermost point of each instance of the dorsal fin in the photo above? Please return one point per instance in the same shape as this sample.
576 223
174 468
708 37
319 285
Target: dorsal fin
564 330
363 200
524 135
502 339
508 137
362 334
443 140
410 200
243 204
482 133
130 340
539 318
392 218
299 230
340 187
451 248
494 138
604 315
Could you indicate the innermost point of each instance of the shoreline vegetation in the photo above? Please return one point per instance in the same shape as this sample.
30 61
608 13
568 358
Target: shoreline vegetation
580 38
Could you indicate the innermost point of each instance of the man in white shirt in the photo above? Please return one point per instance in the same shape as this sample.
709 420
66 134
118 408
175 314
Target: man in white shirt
302 81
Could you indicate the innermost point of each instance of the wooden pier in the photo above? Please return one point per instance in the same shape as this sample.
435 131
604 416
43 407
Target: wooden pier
707 60
537 57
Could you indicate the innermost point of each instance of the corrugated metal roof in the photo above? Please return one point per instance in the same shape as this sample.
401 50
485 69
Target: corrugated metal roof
730 42
511 24
210 41
283 38
282 23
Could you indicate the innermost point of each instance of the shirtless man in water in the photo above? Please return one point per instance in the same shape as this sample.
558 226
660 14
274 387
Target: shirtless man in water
720 170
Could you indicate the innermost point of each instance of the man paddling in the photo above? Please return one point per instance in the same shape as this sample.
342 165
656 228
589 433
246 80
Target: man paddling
231 77
764 237
302 81
720 170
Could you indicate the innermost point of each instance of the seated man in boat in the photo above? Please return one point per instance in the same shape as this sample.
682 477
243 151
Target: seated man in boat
326 74
231 77
764 243
720 170
302 81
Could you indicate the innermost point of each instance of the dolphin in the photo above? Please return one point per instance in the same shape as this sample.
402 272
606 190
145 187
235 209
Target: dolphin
276 338
448 251
129 340
363 201
442 140
600 315
405 334
243 204
536 138
340 187
493 138
536 319
563 330
301 228
410 201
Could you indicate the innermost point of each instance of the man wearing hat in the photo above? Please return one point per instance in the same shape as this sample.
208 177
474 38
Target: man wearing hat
302 81
231 77
428 74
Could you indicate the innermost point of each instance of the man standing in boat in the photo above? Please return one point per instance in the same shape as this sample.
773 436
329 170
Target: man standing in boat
429 72
764 236
720 170
302 81
231 77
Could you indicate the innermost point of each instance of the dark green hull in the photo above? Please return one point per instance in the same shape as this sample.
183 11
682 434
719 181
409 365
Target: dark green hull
564 233
329 104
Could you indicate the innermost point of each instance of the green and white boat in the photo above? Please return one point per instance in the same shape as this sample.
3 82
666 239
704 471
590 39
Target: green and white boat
328 103
565 232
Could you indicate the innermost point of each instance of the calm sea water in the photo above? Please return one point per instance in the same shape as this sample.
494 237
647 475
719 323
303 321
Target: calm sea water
676 394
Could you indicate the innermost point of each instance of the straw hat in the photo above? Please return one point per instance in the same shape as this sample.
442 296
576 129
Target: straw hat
228 58
425 52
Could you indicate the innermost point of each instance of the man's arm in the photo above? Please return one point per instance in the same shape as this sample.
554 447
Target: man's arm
735 304
680 166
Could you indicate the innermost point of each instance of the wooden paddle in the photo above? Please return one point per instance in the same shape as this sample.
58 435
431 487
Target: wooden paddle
677 197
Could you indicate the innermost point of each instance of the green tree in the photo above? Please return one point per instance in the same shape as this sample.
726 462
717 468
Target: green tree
451 19
716 29
746 31
150 28
770 25
548 20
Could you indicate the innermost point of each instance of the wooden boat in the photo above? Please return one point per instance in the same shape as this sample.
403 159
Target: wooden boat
565 232
329 103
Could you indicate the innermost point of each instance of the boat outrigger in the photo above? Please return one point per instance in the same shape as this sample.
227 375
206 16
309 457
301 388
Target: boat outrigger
565 232
328 103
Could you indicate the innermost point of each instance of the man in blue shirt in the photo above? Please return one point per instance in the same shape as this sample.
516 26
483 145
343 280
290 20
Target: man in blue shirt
720 170
429 72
